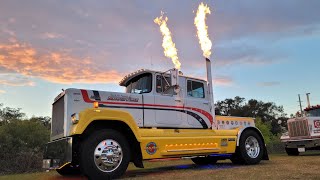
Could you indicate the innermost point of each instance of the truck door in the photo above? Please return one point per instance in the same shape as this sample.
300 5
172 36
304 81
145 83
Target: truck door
168 105
197 104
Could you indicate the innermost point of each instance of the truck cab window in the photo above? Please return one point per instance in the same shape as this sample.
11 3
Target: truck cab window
313 113
163 85
195 89
140 84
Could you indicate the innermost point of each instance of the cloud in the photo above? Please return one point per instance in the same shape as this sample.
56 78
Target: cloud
239 54
57 66
223 81
279 19
15 80
268 84
51 35
2 91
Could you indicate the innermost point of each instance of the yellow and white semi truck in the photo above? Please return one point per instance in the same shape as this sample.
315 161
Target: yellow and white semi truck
161 115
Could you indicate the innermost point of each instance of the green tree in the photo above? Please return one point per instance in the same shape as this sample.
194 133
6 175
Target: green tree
8 114
265 130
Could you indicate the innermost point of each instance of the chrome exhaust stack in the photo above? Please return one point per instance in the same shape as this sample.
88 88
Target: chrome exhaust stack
210 91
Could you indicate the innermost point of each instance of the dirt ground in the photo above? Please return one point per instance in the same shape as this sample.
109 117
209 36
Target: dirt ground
279 167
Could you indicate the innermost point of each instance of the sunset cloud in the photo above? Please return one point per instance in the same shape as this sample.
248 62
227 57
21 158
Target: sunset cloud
222 81
58 67
15 80
2 91
50 35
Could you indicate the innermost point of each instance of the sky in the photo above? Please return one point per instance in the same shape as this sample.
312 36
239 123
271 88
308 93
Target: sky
266 50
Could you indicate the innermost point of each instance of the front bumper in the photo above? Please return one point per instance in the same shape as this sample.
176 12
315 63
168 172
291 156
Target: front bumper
298 143
57 153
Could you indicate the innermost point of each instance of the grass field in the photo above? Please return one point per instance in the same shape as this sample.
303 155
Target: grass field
279 167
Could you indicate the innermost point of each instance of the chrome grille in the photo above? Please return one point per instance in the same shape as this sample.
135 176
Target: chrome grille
298 128
57 117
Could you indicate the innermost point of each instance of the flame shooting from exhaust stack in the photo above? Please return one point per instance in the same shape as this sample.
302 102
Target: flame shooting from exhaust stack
167 43
202 29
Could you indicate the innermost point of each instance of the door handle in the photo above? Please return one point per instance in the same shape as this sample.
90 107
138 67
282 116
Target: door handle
178 100
206 103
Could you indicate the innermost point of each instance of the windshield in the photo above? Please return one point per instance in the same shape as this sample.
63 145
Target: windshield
140 84
313 113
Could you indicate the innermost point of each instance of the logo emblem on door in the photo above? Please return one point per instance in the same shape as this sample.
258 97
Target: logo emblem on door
151 148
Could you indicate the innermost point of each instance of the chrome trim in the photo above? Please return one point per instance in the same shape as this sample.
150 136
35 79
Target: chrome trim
186 150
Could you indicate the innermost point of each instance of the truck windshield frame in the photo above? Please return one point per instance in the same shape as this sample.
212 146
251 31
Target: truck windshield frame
140 84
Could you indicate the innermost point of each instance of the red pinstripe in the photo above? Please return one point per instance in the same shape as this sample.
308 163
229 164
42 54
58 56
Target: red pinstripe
203 112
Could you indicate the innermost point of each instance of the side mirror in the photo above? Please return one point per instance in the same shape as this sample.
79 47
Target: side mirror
177 89
174 77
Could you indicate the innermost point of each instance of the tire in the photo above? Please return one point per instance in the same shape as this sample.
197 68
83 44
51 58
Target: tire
69 171
97 145
204 160
250 150
292 151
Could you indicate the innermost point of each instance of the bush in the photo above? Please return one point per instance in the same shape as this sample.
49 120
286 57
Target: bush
21 146
272 141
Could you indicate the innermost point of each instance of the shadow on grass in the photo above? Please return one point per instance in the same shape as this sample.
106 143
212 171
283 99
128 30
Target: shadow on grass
140 173
166 169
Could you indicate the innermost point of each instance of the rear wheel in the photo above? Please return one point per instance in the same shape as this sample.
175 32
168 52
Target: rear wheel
105 154
250 149
204 160
292 151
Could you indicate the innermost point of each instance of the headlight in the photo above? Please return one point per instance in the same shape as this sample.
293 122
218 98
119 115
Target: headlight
75 118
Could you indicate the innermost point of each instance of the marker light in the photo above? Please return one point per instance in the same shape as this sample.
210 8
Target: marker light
75 118
96 104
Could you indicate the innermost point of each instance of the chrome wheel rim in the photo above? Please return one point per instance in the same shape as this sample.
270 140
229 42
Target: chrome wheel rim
252 147
108 155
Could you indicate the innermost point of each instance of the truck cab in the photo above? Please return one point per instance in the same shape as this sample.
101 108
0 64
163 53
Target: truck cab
303 132
167 104
160 115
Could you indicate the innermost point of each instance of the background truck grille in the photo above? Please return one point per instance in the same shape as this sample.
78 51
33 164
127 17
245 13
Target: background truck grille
57 117
298 128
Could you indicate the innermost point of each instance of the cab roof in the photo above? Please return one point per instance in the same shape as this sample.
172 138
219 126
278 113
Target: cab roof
312 108
132 75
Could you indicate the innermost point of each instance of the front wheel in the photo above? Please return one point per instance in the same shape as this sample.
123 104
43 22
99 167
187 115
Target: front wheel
250 149
105 154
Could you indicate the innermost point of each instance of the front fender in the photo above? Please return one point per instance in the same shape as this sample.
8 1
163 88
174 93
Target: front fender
97 114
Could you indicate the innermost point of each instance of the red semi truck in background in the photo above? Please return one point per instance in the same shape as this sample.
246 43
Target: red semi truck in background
303 131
